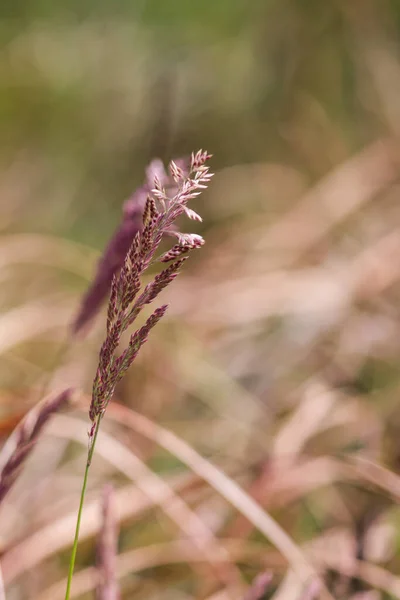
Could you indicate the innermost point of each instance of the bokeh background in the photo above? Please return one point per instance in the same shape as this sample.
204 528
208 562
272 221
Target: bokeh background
278 362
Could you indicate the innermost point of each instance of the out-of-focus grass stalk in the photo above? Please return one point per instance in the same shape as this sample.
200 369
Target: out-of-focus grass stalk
2 590
107 585
24 439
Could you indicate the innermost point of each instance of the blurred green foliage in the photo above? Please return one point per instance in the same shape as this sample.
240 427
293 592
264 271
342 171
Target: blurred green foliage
90 91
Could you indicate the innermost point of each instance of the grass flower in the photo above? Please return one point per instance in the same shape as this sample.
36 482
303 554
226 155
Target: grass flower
114 255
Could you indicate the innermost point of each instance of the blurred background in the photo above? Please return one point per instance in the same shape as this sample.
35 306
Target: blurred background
278 361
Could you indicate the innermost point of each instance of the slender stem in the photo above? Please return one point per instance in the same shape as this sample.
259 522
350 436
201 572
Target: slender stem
79 517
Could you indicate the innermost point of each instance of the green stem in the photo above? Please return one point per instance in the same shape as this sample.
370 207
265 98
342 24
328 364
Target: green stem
79 517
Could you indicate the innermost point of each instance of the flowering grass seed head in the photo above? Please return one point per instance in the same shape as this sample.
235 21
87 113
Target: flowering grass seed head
163 206
138 212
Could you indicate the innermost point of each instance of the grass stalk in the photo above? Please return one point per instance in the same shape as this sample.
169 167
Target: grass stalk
126 302
92 444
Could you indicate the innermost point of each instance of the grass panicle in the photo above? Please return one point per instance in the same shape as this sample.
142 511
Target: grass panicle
126 303
164 205
114 255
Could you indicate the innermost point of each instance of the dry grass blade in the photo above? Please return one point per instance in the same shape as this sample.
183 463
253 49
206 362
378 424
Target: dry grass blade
228 488
259 586
335 550
340 194
370 595
24 439
161 494
156 555
311 592
375 576
2 590
368 470
306 420
372 271
302 291
107 587
56 535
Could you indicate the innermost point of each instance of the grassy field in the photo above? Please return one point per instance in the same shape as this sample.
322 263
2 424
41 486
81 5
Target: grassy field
259 428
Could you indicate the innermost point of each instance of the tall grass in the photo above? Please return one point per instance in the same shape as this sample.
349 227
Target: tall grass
160 213
276 371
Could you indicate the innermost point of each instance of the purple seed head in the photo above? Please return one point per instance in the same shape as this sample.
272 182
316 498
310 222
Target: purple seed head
165 201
